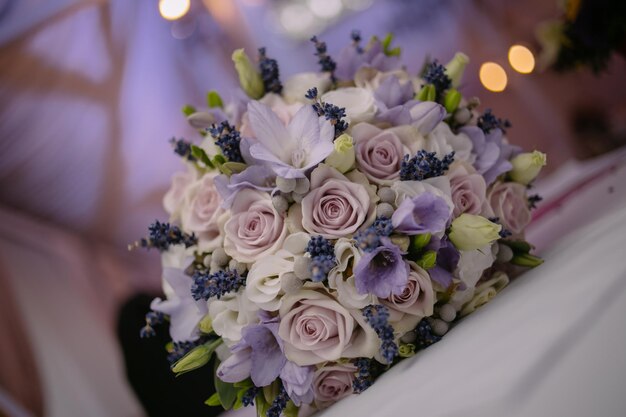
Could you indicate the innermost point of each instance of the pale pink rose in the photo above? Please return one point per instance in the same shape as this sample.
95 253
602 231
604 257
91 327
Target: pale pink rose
200 211
173 198
335 205
379 153
315 328
414 303
255 228
468 190
509 203
332 383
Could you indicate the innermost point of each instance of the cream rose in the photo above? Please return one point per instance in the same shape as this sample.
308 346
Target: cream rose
230 314
263 283
332 383
414 303
255 228
336 206
341 277
509 203
359 103
316 328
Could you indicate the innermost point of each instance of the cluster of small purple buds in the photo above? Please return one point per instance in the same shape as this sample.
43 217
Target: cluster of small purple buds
435 74
163 235
425 335
369 239
322 257
279 404
377 316
269 73
216 285
364 378
355 35
248 397
182 148
533 200
228 139
424 165
153 318
488 121
326 62
332 113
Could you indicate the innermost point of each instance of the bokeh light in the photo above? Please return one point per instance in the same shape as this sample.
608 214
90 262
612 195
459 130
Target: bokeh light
325 9
174 9
493 77
521 59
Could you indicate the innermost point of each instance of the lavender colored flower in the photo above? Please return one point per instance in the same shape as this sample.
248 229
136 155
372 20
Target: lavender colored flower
492 152
391 93
298 382
424 213
382 272
258 177
259 355
353 57
289 150
447 260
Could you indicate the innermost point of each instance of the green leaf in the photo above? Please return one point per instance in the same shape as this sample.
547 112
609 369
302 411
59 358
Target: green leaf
428 259
527 260
386 44
201 156
188 110
246 383
214 400
427 93
261 405
517 246
214 100
226 392
291 410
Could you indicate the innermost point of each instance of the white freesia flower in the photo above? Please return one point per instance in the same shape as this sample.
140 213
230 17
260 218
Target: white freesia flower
263 283
230 314
473 263
359 103
347 256
296 86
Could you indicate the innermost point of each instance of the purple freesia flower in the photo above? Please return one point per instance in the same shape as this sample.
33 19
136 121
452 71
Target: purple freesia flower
492 152
298 382
391 92
423 115
185 312
259 355
351 59
289 150
258 177
424 213
447 259
382 272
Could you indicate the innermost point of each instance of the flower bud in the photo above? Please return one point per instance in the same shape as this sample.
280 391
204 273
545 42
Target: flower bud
249 79
427 93
342 158
425 116
196 358
206 324
452 100
469 232
456 67
526 166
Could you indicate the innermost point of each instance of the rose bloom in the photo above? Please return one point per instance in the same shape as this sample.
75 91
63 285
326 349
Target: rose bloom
316 328
200 211
173 198
468 189
337 206
415 302
332 383
509 203
255 228
379 153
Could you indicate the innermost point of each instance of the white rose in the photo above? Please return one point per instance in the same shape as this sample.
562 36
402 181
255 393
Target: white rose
370 78
347 256
263 286
173 198
359 103
473 263
230 314
442 141
296 86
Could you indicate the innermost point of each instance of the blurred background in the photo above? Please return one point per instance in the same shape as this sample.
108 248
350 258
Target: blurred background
91 91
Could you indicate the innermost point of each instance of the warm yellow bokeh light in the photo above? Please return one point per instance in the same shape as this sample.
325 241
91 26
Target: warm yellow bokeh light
174 9
521 59
493 77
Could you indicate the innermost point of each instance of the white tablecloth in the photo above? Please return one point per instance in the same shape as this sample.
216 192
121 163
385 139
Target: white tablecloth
551 344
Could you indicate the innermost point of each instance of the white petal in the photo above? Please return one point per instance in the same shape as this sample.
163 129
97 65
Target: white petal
269 130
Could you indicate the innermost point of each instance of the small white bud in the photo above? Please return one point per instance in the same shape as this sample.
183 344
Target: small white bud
302 267
447 312
384 210
219 257
386 195
285 185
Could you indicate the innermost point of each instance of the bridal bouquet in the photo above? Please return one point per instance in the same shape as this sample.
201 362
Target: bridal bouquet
330 225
